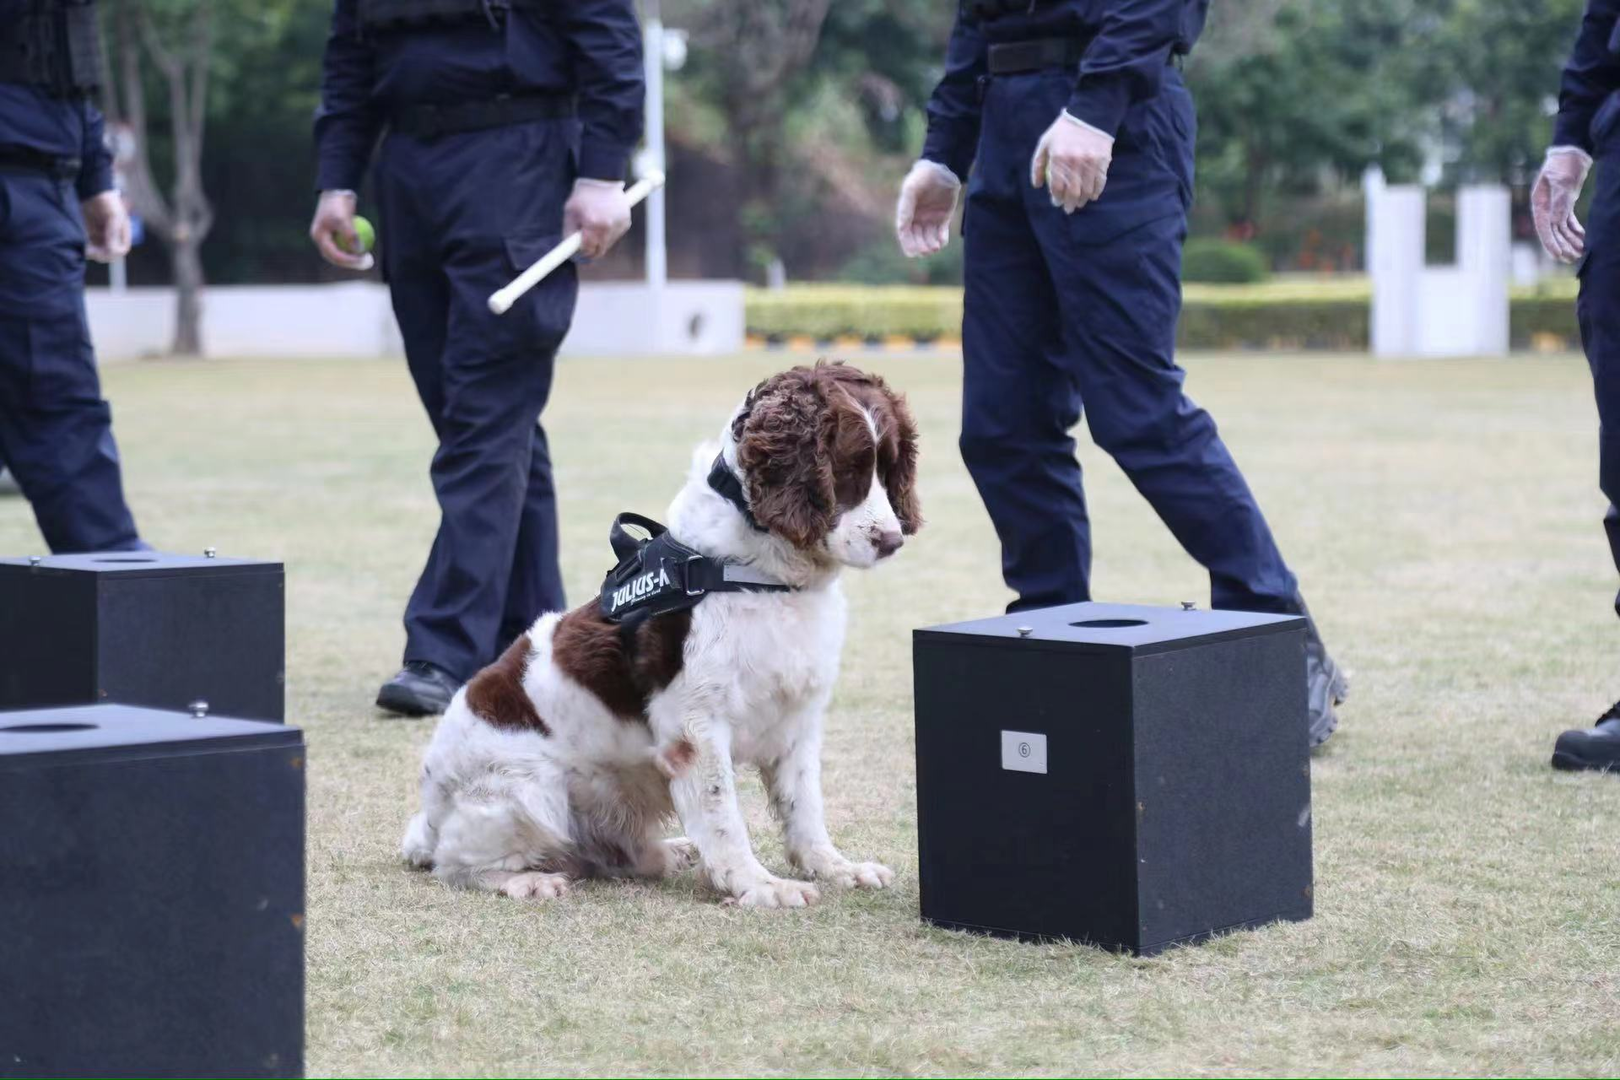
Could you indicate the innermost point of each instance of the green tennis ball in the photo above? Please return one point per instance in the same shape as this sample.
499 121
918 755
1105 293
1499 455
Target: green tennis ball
364 232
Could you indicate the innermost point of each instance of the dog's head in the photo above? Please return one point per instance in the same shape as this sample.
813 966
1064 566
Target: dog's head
828 457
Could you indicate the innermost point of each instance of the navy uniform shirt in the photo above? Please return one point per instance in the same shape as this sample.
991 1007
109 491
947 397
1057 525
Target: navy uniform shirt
590 48
1592 75
1132 41
62 127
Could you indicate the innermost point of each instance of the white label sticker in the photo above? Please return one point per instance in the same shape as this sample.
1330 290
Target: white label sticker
1023 751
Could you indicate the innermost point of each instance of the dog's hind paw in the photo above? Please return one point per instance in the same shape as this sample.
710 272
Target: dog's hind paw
536 885
679 854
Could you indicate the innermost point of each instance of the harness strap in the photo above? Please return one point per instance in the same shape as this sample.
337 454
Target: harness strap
724 481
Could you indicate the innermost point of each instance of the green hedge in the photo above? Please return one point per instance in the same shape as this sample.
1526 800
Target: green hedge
829 311
1283 314
1225 261
1538 315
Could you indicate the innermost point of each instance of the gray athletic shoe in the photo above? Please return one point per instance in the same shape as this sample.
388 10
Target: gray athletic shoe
1327 687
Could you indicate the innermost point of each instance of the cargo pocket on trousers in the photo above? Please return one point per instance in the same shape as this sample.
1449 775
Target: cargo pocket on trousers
541 316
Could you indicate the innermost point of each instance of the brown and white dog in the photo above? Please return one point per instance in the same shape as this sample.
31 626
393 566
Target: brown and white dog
565 758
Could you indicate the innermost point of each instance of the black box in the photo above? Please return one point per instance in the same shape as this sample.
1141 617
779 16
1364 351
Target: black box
1131 777
143 628
151 894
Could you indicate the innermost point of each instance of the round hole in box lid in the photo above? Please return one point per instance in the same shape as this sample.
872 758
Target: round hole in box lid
44 729
125 558
1108 624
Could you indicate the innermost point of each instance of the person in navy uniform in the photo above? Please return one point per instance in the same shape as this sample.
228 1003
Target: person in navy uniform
504 125
1588 108
1078 129
57 205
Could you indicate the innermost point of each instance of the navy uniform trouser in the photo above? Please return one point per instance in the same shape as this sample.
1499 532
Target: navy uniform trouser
55 428
462 213
1598 309
1071 311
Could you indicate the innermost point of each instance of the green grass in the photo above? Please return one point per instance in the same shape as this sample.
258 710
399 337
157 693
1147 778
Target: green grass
1444 519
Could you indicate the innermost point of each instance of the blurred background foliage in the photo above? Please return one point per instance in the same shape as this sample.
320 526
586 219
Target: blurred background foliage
793 121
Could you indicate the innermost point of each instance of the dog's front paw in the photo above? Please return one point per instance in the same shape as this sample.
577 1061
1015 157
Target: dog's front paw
858 875
827 864
777 893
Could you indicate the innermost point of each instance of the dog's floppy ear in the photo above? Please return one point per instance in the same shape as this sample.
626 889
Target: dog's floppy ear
902 478
897 435
783 451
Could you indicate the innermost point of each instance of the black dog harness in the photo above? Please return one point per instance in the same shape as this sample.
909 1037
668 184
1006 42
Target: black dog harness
657 574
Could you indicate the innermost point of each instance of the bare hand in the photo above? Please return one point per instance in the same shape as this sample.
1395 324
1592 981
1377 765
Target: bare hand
334 219
1071 162
922 217
1552 202
599 211
106 227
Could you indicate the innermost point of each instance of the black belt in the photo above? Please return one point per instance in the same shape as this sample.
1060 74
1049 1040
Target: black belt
431 121
1012 57
26 157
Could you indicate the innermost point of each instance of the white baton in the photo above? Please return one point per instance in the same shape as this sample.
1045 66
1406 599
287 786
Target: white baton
502 300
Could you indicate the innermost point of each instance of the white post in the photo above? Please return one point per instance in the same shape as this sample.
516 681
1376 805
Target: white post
1485 257
653 62
1395 230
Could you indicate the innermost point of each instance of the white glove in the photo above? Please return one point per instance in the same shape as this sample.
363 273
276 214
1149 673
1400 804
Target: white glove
1071 162
922 217
1552 202
106 227
598 210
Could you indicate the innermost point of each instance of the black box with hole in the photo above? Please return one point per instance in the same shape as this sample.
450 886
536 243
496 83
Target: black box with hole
151 894
1131 777
143 628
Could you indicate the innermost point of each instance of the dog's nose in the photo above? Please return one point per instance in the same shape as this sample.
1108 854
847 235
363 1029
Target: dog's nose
888 542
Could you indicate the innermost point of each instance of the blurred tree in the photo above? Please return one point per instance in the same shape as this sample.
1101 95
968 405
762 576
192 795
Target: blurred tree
794 120
1494 72
1292 93
747 53
177 38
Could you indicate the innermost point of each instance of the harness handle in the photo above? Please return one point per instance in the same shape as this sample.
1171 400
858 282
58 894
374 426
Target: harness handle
626 543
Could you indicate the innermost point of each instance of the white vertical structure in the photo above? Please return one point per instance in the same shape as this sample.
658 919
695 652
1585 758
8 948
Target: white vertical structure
1395 261
1485 259
1459 310
653 65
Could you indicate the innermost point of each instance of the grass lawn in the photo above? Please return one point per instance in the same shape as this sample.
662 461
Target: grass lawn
1443 517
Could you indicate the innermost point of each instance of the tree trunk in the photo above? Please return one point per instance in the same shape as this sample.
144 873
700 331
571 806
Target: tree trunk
1254 186
183 219
758 47
186 258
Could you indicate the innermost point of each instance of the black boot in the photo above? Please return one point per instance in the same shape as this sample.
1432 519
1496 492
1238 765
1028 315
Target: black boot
1596 747
420 689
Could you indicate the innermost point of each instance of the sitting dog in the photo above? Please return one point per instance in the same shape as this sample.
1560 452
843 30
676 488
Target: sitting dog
564 759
